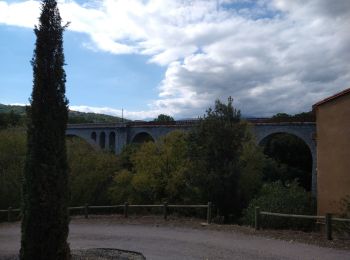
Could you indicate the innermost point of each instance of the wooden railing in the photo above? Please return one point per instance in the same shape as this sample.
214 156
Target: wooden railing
9 212
86 209
328 218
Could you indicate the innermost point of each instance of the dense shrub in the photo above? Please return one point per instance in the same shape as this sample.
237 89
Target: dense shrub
11 119
91 173
289 199
154 172
12 157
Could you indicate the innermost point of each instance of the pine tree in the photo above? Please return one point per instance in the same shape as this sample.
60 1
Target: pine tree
45 189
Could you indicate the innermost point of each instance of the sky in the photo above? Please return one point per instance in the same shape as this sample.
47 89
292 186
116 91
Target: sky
177 57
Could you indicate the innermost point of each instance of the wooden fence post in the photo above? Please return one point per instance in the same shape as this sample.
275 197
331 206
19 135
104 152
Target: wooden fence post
165 210
209 213
257 218
9 214
329 226
86 210
69 213
126 206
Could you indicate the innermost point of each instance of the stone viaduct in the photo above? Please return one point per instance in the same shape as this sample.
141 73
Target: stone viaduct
114 137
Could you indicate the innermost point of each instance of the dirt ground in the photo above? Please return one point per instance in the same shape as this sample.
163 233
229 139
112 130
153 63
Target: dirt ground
186 238
312 238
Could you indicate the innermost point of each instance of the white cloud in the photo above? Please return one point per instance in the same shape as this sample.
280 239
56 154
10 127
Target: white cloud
24 14
271 56
149 114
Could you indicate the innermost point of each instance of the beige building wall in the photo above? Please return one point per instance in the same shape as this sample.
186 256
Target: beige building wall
333 153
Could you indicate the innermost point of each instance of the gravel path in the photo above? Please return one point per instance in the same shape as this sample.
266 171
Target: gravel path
157 241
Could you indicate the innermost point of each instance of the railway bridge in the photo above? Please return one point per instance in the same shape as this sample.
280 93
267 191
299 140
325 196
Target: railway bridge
114 137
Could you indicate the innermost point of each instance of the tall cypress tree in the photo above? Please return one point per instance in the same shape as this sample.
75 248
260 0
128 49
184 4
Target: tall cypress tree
45 189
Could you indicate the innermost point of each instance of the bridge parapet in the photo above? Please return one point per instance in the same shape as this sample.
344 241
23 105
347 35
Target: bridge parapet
95 125
255 121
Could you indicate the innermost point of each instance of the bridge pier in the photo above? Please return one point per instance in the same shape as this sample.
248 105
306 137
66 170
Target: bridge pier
121 140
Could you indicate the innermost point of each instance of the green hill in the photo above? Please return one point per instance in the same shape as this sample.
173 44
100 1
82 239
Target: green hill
20 110
76 117
16 112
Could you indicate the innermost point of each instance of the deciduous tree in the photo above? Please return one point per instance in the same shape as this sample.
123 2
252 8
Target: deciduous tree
164 118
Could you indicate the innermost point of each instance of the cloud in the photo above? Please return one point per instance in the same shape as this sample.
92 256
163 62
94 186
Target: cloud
271 56
24 14
149 114
320 8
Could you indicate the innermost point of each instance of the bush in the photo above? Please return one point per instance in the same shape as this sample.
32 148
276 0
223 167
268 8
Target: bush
91 173
12 156
289 199
154 172
121 189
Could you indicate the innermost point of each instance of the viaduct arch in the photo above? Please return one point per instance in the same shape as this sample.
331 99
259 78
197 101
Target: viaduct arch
304 130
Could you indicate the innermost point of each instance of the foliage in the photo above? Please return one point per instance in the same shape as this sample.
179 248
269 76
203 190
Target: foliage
252 162
303 117
290 199
11 119
164 118
306 116
3 121
158 172
12 157
17 109
125 157
122 189
91 173
9 113
291 160
219 148
75 117
281 116
45 188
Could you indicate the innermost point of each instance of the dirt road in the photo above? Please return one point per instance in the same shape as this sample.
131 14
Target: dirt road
174 242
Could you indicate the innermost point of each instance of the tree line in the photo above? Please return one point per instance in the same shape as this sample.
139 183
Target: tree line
15 116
